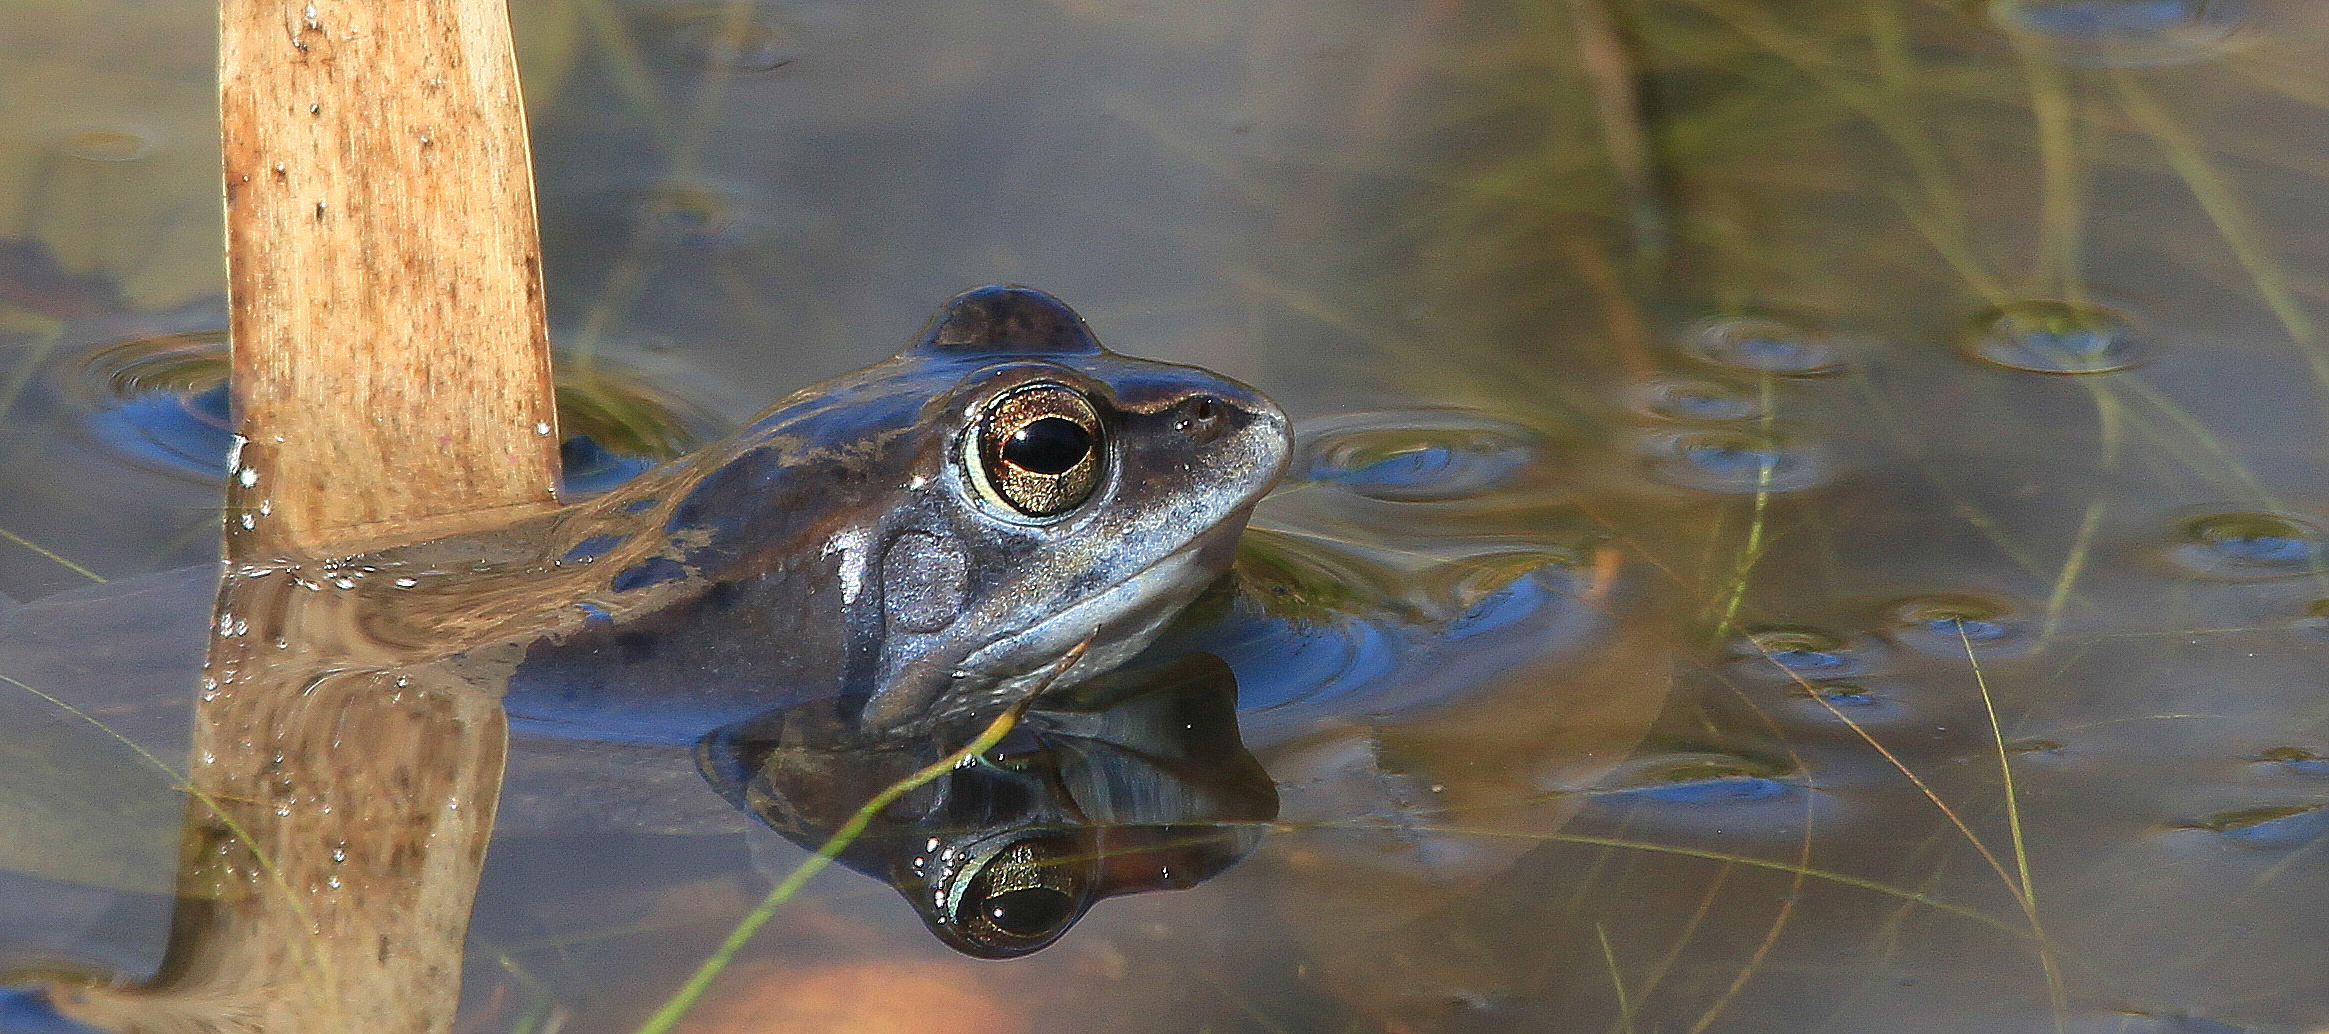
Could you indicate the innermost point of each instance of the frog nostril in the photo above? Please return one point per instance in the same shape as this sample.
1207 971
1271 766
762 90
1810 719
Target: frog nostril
1201 418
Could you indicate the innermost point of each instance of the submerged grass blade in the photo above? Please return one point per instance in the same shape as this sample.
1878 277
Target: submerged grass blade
1758 519
1963 829
2056 996
1914 897
1714 1010
2232 218
1625 1005
2073 565
717 962
52 555
2062 218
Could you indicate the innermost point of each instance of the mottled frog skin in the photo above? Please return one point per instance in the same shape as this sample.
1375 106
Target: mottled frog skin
925 540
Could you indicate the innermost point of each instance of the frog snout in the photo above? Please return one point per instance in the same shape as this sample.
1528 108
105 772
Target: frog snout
1241 423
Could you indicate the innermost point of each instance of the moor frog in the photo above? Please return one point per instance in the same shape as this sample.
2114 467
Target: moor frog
925 539
1003 508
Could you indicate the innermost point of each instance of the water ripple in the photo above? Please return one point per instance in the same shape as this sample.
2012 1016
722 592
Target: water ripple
2248 545
1764 343
1738 461
1422 455
2125 33
2055 337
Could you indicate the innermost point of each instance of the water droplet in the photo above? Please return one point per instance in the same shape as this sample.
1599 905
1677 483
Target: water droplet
110 144
2054 337
1415 455
1946 625
1765 344
1736 461
1678 398
1793 653
2124 32
2249 545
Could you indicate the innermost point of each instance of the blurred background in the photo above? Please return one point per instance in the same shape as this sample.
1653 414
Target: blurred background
1810 515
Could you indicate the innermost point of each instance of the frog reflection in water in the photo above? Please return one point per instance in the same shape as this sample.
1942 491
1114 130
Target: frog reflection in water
853 585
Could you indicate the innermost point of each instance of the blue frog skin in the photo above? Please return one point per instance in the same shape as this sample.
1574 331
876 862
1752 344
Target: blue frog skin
846 589
890 558
1002 505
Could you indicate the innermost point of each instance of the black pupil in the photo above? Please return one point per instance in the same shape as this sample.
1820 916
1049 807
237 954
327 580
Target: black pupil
1048 446
1032 912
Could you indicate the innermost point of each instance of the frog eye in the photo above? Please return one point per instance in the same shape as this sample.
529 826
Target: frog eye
1023 896
1039 450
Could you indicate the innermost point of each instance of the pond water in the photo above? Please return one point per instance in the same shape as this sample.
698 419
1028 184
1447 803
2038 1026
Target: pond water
1805 517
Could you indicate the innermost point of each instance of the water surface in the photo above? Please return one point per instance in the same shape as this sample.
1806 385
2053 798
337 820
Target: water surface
1812 517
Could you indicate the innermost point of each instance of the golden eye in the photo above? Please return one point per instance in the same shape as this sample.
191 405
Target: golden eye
1023 896
1039 450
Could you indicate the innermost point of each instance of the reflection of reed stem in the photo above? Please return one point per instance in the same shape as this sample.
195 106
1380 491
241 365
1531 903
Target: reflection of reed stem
2061 266
1609 73
391 368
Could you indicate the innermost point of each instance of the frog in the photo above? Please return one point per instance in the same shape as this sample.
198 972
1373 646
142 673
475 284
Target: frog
1003 509
1005 505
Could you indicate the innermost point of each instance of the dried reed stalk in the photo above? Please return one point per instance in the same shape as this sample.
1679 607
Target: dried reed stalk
392 371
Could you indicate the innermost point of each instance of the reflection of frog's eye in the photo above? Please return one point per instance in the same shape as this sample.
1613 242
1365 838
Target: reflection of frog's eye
1039 450
1023 896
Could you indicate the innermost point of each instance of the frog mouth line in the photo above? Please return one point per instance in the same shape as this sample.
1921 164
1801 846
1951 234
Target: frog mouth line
1111 626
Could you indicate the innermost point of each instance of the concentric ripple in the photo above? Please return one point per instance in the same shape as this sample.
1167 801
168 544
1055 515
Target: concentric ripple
1414 456
1950 625
1702 778
1790 653
2054 337
162 401
2124 33
1736 460
2269 826
2249 545
1764 343
1694 400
